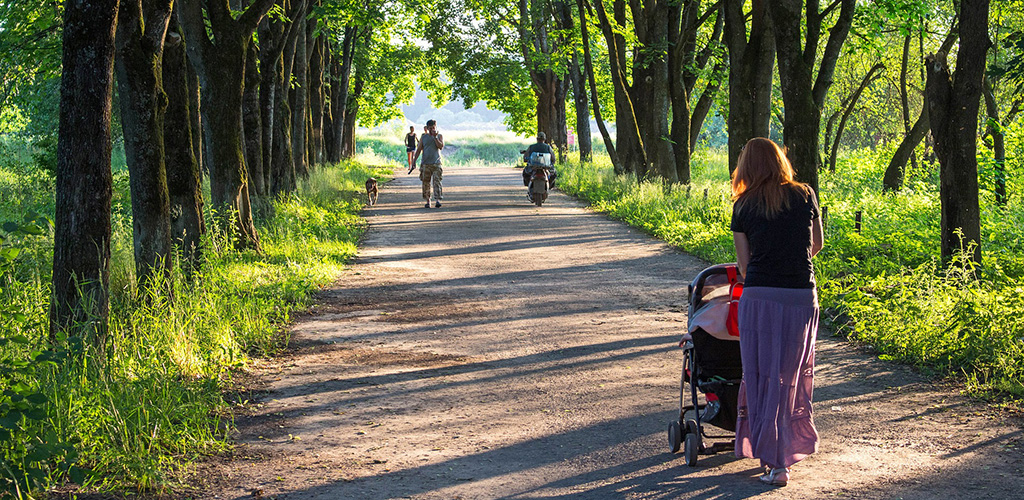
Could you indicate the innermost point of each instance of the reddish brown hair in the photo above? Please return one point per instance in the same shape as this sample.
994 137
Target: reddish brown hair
764 177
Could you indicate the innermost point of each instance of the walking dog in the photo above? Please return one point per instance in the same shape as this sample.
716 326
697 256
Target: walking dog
371 191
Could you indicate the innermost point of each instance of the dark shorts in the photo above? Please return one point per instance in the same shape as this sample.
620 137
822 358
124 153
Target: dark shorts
409 150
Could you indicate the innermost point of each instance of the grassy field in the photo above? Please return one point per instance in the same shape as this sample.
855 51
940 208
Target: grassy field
881 286
160 394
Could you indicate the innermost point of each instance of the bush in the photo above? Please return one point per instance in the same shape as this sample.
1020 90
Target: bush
131 414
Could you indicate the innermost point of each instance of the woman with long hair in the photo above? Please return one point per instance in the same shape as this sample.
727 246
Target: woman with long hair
777 230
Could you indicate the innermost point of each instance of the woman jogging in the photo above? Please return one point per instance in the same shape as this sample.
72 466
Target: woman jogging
776 230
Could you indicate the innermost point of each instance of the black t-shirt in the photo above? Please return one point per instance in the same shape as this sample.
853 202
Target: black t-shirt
410 141
780 248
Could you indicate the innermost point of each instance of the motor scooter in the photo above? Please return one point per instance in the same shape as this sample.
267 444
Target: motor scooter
539 178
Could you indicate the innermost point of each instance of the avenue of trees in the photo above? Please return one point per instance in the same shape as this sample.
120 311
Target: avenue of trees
227 111
250 95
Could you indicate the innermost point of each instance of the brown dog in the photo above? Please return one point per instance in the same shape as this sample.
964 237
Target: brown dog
371 191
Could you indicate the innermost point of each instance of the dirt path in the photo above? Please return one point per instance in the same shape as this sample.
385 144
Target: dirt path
490 349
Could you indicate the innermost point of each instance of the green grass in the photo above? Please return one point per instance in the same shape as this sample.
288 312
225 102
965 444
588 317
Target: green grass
153 400
882 285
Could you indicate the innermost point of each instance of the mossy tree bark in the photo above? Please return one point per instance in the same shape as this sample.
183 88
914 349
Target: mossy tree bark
141 28
184 180
220 64
252 123
84 185
650 88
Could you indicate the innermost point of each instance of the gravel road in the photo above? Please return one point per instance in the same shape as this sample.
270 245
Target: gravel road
491 349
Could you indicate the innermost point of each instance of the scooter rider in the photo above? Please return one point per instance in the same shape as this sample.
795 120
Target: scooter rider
538 147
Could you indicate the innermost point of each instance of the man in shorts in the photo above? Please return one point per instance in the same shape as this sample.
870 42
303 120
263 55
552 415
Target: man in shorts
430 146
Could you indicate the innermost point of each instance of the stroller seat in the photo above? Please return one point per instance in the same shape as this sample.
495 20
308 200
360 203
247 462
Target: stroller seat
712 364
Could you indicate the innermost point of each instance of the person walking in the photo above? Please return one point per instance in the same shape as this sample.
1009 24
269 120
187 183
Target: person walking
410 146
430 146
776 231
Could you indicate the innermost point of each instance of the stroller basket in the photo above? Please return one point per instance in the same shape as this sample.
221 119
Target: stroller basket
711 364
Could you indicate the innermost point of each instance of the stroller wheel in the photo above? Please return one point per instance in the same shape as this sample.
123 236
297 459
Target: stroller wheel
692 443
675 436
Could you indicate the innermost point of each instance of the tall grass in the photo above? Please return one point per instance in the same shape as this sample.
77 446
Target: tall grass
153 399
882 285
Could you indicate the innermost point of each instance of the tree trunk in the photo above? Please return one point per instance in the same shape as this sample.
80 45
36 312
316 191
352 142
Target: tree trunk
195 106
750 74
904 93
283 170
803 93
868 78
953 107
588 65
184 182
269 34
316 105
252 123
84 184
274 34
651 90
348 143
707 98
341 96
579 96
140 40
551 90
994 129
579 93
893 177
330 64
629 145
220 64
298 95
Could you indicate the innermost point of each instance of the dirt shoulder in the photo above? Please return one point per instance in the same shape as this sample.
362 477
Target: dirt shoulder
491 349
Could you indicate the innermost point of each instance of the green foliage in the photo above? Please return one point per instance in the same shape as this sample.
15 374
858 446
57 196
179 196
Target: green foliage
133 414
386 58
31 453
881 285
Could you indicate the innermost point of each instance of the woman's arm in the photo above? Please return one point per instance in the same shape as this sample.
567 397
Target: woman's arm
419 149
742 251
817 237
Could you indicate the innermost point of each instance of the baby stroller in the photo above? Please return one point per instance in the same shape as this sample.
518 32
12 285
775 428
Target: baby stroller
711 364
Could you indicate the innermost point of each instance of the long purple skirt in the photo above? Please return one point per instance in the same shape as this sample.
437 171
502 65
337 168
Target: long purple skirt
777 327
